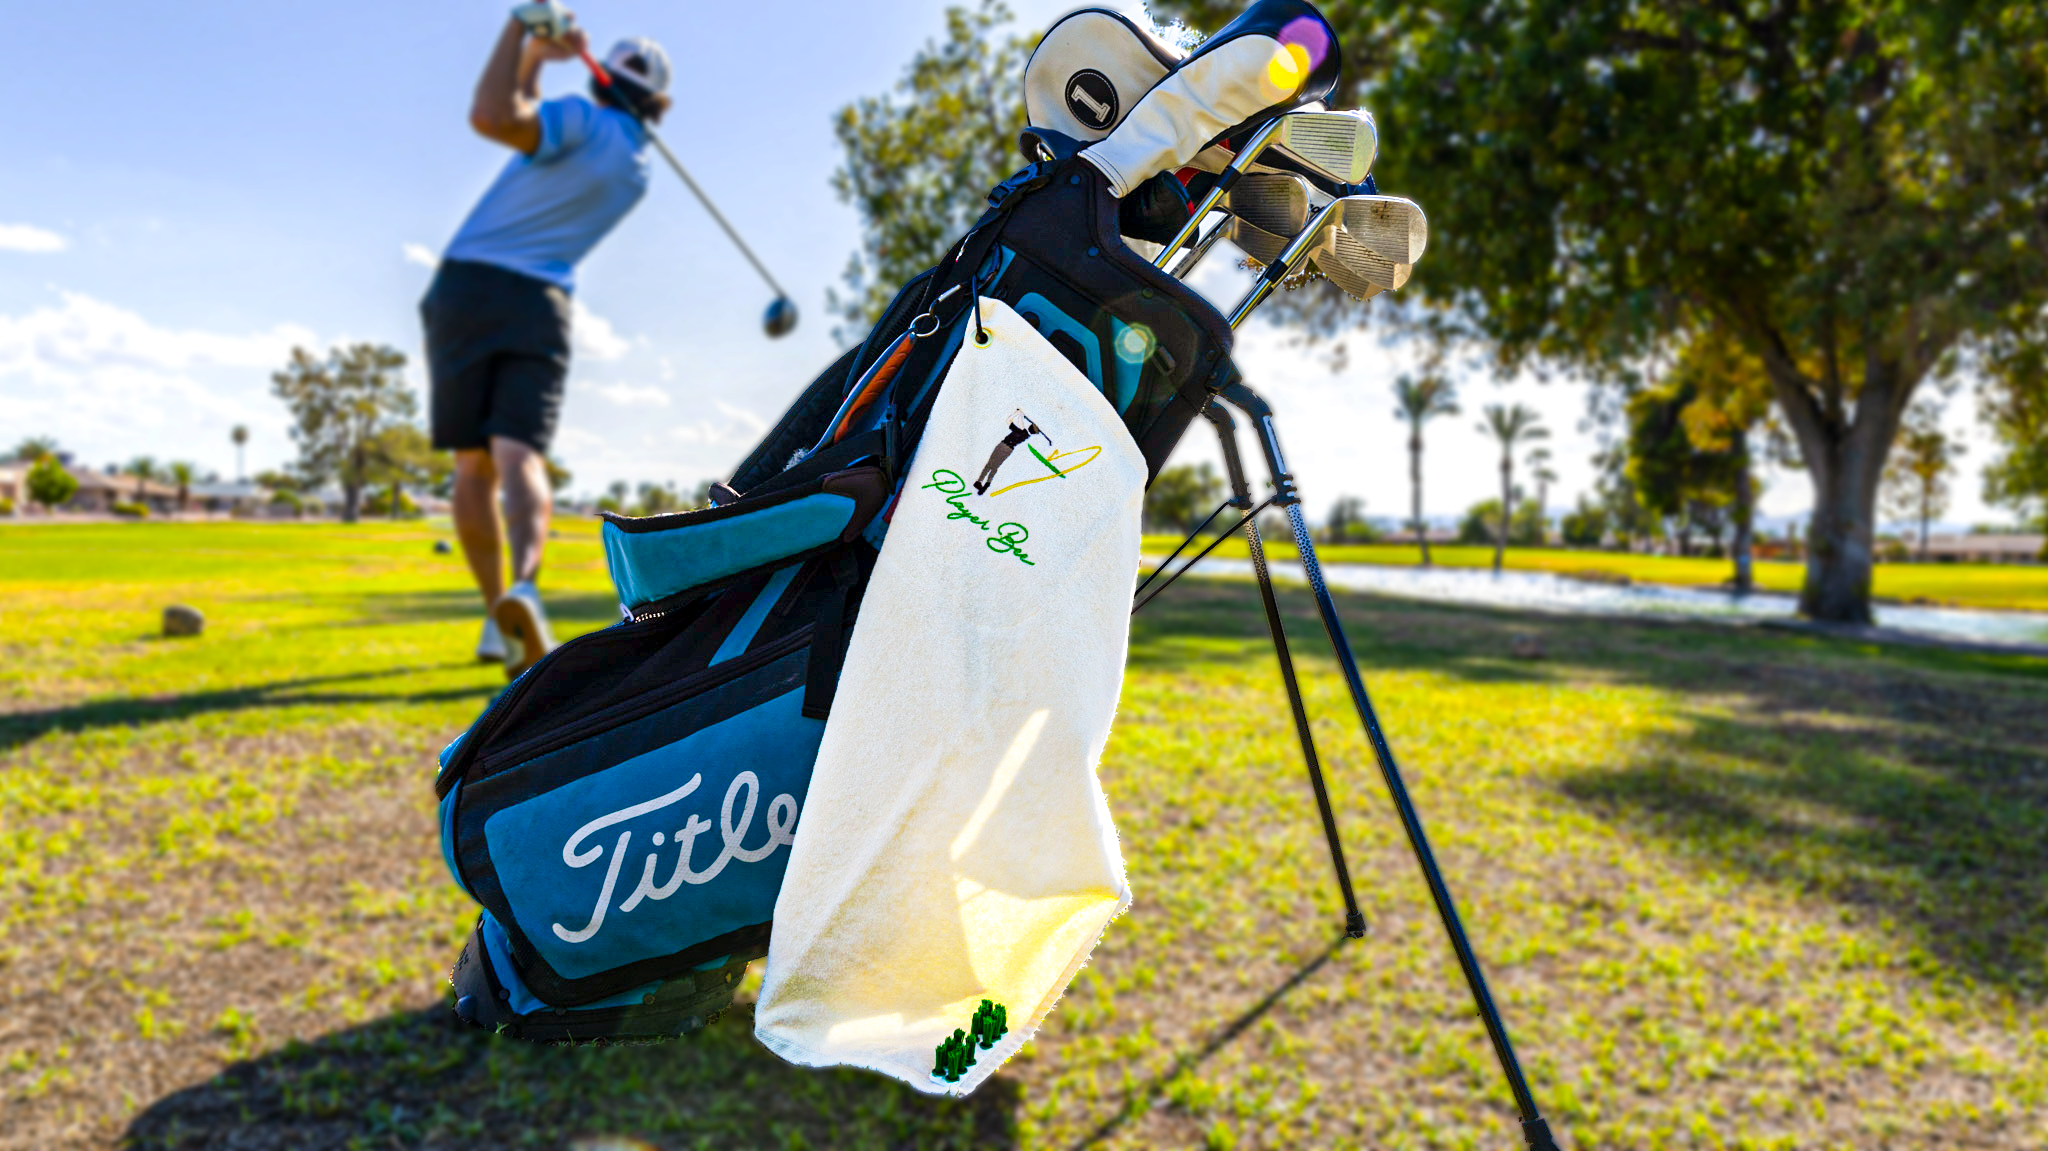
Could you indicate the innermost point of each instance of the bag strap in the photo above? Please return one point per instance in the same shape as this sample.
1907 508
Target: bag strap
828 638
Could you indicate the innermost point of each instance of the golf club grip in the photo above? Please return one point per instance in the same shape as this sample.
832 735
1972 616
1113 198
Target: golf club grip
1418 839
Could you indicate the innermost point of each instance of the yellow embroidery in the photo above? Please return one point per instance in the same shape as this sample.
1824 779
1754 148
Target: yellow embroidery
1058 472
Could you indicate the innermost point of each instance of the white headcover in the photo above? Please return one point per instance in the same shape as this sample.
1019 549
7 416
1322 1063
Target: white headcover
1091 67
1207 96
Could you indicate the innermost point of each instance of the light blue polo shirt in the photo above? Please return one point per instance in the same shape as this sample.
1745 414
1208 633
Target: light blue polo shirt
546 211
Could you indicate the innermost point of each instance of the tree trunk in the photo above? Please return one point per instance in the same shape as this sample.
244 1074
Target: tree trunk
394 500
1415 491
1507 510
352 485
1926 512
1745 515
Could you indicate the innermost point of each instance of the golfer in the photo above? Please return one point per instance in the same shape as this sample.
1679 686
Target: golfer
497 314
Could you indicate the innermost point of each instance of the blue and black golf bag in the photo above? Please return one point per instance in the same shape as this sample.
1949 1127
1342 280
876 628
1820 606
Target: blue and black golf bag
622 811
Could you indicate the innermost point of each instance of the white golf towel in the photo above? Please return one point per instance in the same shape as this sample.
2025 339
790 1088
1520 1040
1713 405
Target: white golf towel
955 845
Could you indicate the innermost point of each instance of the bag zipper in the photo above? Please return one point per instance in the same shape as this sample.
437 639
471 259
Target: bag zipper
647 703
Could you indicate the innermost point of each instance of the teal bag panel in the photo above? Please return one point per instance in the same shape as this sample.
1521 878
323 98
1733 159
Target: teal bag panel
647 566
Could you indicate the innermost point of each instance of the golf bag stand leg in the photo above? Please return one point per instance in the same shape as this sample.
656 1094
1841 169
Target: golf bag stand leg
1241 498
1534 1129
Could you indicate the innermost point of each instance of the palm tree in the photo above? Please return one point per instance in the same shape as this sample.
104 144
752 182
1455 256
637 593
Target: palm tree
240 436
1420 401
1511 426
143 468
1539 467
182 474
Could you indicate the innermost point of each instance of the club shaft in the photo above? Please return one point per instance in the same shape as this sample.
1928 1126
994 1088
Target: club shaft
1209 200
604 80
1533 1125
1226 432
712 208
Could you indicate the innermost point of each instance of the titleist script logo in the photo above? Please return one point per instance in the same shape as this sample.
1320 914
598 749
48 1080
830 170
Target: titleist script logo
781 823
1092 98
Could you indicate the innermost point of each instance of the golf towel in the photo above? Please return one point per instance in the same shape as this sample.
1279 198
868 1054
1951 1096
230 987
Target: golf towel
956 862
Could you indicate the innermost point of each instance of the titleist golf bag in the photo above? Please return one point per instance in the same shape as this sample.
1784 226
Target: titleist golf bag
621 811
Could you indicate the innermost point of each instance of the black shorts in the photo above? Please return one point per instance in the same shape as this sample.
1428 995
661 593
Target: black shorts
497 355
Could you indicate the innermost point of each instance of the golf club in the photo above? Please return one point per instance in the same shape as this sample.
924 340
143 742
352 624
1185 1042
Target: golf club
1337 147
1376 246
1269 209
780 318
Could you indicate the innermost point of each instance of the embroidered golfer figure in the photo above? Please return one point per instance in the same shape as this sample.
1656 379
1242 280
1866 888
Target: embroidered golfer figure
1021 429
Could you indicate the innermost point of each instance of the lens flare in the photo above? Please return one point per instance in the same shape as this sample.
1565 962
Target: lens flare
1311 37
1286 71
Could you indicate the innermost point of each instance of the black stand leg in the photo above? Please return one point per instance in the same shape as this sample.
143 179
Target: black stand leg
1226 431
1534 1129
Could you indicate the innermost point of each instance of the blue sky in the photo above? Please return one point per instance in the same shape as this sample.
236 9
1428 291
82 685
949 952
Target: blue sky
193 189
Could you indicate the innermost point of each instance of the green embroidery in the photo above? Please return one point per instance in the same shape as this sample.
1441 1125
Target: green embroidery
1049 466
1007 536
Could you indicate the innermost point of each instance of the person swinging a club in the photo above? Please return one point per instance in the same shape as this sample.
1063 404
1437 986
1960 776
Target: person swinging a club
497 315
1021 429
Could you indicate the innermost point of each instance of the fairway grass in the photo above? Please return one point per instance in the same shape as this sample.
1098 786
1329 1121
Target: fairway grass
1735 890
2009 587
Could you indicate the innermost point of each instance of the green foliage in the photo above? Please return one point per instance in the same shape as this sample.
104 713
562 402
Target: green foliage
33 448
1584 526
559 476
1419 400
1481 524
2016 407
1182 495
1850 188
920 160
130 509
1916 474
1669 475
378 503
340 406
49 484
6 505
1346 523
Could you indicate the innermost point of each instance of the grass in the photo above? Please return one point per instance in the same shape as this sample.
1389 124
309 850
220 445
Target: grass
1735 890
2019 587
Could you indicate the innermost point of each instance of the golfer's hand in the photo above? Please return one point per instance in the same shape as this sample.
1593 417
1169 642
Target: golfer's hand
545 21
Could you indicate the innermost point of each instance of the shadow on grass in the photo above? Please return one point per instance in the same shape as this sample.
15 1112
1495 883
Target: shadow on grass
1910 784
423 1079
571 608
17 728
1141 1097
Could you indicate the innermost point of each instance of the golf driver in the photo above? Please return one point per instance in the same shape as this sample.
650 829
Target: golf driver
1334 147
780 318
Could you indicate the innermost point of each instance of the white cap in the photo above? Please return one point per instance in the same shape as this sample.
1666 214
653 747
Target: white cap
640 60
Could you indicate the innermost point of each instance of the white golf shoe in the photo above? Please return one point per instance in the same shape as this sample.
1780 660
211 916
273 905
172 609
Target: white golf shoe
490 646
520 618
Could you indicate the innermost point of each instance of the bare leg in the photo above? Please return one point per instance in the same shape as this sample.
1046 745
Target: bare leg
476 521
528 503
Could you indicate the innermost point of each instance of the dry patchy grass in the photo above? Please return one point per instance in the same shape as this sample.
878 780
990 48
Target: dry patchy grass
1734 890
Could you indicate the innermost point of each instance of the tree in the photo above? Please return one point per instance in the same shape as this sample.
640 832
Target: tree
49 484
1585 526
655 499
33 448
1421 400
1916 476
182 473
2014 402
1182 495
339 406
1851 189
919 161
1540 471
559 477
401 456
1346 522
144 469
1672 478
239 435
1510 427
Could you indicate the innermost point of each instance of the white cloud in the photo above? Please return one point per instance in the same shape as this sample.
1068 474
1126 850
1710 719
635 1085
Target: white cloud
593 336
740 426
108 383
29 238
420 254
627 395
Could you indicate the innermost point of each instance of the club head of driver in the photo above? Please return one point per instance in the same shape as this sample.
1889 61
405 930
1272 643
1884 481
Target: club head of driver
780 318
1339 146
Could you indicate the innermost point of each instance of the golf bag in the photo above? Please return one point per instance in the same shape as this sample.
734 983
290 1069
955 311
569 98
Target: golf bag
621 811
